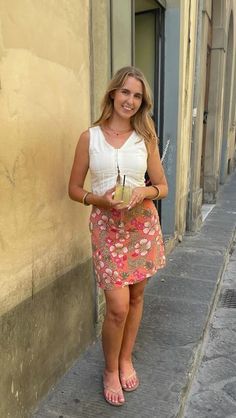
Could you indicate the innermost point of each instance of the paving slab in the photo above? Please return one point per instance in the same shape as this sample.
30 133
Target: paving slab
197 257
210 404
178 303
195 271
213 390
185 288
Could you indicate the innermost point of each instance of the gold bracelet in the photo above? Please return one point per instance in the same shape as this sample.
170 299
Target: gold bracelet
84 199
158 192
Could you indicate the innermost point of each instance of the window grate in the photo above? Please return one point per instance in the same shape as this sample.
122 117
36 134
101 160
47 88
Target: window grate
228 298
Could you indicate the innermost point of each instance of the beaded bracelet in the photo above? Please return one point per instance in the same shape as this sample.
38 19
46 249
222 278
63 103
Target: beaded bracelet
158 192
84 199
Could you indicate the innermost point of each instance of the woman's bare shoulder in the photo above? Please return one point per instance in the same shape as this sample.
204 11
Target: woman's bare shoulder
83 142
84 135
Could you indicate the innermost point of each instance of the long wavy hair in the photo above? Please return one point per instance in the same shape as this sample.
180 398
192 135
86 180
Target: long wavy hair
142 121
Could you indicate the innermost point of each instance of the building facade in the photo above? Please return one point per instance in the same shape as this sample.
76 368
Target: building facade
55 62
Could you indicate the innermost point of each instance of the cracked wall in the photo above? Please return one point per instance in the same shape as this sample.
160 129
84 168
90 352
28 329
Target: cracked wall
44 102
47 290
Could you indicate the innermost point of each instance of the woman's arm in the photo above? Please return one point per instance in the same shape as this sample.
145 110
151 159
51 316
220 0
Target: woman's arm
78 173
156 173
79 168
159 188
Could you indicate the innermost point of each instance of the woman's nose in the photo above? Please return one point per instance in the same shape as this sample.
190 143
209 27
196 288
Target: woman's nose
131 99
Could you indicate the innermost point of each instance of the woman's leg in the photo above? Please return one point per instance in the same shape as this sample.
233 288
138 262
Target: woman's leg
130 333
117 307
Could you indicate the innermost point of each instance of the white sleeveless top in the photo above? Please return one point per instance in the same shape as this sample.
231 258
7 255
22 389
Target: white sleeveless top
104 159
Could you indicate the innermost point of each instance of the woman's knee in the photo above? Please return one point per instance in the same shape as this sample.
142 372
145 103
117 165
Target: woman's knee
136 296
136 299
117 305
117 315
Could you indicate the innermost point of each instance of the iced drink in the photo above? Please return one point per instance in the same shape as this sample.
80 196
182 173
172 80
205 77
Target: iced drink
123 193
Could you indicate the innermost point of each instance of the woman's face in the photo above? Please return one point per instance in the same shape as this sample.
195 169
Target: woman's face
128 98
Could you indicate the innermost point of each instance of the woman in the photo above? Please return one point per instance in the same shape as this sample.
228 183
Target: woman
126 236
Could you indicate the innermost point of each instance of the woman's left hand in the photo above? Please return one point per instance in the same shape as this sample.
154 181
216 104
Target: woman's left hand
138 195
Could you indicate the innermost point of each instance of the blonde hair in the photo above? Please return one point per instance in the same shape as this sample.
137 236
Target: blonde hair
142 121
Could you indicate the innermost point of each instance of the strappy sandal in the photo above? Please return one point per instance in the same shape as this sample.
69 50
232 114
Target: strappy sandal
116 392
124 380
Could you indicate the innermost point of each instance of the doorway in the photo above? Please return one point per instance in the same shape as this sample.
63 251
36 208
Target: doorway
205 114
149 57
149 53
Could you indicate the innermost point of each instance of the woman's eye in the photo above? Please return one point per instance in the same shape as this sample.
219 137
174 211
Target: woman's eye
125 92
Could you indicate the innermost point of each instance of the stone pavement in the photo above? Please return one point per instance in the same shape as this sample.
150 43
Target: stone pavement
213 393
178 305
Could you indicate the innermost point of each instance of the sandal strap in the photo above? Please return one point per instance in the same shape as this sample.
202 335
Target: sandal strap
133 374
116 392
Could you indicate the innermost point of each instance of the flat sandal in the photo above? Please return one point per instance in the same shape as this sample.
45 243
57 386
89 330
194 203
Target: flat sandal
131 389
116 392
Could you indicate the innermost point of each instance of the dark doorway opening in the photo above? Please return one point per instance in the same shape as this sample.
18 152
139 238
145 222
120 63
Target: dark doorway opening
149 56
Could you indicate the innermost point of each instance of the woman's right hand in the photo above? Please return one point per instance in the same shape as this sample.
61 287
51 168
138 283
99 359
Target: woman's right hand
108 202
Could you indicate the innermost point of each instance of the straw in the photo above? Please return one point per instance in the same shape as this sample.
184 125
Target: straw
123 186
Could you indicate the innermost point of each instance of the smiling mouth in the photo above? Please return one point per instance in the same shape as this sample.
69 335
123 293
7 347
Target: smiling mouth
127 108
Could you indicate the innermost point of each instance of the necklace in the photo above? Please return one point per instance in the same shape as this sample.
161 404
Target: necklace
117 133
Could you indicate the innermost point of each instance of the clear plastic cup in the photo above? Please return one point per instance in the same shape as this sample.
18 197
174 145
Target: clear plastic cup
123 193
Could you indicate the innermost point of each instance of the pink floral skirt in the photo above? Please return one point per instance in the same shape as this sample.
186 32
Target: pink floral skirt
127 245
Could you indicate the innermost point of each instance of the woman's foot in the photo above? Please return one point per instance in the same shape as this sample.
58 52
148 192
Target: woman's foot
113 393
128 377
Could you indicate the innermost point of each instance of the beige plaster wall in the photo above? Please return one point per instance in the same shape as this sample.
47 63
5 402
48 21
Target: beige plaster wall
188 24
215 118
100 48
206 15
54 62
44 105
194 215
100 67
121 33
232 114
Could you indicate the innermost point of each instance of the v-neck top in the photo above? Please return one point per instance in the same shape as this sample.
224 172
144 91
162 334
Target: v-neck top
104 160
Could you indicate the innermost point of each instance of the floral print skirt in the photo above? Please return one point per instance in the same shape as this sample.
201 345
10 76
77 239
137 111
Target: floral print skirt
127 245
